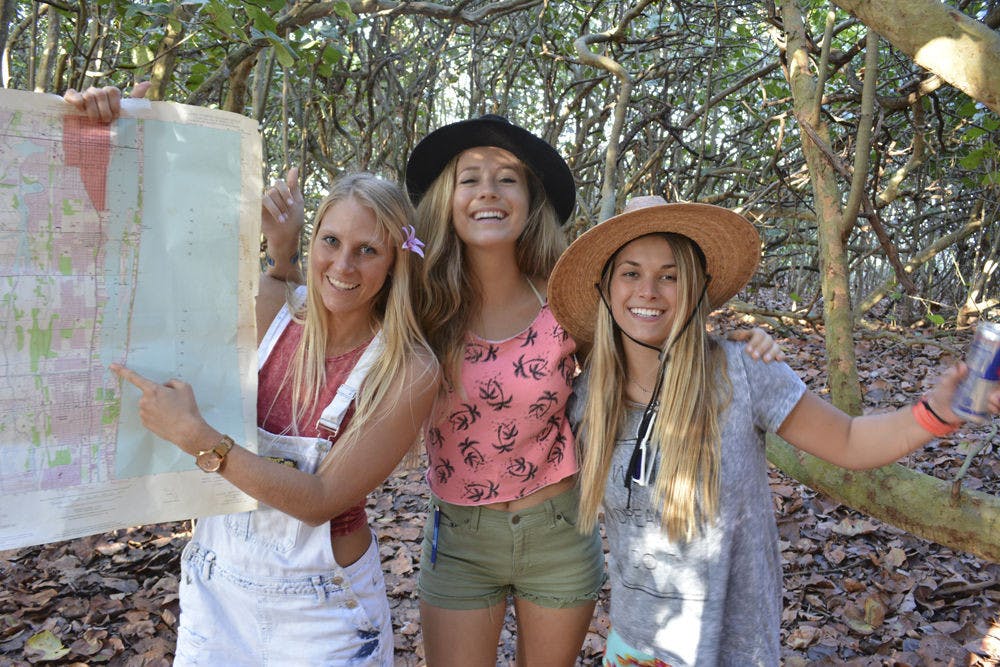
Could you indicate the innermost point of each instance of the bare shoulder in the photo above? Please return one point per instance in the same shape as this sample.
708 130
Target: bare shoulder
422 372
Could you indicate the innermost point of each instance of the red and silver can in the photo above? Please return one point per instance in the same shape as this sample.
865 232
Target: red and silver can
983 360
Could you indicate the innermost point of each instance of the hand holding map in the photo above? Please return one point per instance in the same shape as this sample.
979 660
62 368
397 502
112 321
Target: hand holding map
130 242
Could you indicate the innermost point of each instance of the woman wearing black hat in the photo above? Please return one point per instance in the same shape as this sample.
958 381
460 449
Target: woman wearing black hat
671 426
502 464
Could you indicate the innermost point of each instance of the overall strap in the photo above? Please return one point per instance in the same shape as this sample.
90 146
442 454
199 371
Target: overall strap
334 413
278 325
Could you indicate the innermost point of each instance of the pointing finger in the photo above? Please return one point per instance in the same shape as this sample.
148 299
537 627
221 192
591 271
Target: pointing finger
130 375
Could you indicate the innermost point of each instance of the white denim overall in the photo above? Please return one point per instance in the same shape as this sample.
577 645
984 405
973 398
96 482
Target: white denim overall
262 588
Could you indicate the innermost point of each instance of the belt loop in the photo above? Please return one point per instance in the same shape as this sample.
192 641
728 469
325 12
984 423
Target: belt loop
317 582
207 564
475 516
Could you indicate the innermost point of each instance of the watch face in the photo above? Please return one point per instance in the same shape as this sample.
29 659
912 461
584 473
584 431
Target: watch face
210 461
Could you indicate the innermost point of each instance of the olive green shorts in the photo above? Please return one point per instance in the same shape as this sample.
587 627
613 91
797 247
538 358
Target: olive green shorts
482 555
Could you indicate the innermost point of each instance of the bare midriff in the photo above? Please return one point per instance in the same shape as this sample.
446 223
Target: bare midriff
347 549
536 498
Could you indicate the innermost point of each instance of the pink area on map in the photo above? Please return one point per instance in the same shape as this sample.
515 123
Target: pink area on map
87 146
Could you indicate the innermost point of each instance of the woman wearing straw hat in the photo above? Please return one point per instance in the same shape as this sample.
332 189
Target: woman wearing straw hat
502 466
673 442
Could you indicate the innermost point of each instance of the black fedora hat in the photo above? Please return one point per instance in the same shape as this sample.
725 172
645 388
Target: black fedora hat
436 150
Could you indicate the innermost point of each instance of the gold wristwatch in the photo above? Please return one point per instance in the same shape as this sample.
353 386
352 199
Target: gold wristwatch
211 460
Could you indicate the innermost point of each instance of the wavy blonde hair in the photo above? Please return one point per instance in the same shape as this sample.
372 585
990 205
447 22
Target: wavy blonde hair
687 430
391 311
449 298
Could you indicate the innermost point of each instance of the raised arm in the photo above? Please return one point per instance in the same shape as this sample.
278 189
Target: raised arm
351 470
871 441
281 221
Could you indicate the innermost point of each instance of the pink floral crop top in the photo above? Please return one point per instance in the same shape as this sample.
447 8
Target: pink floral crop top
509 436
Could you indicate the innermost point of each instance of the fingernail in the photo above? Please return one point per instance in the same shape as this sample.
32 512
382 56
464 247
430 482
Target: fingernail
281 217
291 202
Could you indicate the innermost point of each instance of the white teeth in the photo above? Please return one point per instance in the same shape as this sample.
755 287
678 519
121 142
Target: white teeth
489 215
645 312
340 285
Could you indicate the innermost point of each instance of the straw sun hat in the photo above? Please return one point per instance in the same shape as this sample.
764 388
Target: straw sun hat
435 151
729 242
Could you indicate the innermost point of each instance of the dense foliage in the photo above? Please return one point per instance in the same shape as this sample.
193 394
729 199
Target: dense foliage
350 85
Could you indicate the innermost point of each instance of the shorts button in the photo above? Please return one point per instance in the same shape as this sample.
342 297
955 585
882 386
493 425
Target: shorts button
338 580
351 604
515 519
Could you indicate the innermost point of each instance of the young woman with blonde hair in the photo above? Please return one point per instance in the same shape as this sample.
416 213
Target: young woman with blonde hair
346 380
671 424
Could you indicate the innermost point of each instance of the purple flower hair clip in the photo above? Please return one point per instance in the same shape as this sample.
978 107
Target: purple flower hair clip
412 243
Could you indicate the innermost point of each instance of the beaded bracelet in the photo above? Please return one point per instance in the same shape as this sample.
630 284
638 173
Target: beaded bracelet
930 421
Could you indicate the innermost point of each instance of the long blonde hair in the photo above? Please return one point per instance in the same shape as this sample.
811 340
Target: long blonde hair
687 430
449 298
392 310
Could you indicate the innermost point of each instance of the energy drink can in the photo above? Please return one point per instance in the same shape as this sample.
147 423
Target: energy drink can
983 360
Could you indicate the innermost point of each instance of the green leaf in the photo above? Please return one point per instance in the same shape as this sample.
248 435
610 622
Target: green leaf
935 319
973 159
224 20
992 178
199 72
154 9
967 110
794 297
991 123
142 55
44 647
332 54
262 21
974 133
343 9
286 56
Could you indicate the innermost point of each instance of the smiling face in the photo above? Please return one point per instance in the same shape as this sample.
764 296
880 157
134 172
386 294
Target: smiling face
491 201
643 289
349 262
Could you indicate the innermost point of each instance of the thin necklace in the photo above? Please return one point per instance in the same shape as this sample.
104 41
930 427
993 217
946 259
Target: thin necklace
633 381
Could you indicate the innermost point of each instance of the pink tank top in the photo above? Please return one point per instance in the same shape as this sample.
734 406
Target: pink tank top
509 436
274 406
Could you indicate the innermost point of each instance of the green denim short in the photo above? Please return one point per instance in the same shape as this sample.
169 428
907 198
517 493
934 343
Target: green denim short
482 555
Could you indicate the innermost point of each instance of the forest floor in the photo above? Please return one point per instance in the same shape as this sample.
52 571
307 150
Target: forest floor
857 591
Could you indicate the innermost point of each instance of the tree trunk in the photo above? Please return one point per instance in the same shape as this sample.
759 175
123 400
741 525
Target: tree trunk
236 98
43 76
166 57
837 314
961 50
6 17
